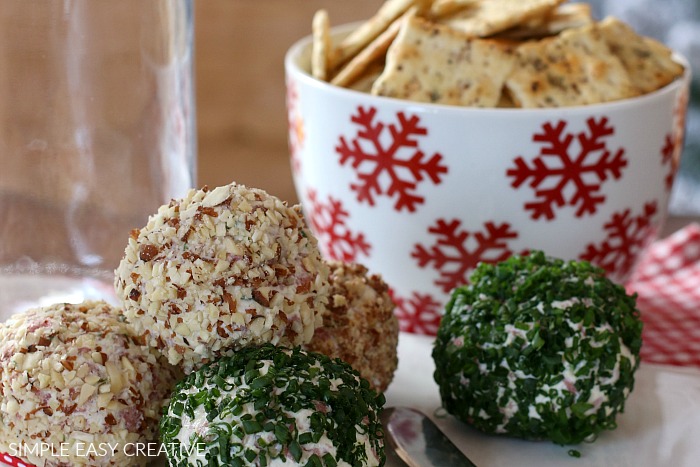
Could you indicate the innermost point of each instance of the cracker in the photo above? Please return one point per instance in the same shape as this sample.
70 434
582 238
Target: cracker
358 39
506 102
649 63
488 17
370 54
321 45
432 63
573 68
365 81
566 16
441 8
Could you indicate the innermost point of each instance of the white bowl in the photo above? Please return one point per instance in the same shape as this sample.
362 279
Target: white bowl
421 193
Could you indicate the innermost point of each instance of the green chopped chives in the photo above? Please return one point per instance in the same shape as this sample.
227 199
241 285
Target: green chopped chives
305 438
295 450
329 461
251 426
314 461
282 434
250 455
248 412
567 324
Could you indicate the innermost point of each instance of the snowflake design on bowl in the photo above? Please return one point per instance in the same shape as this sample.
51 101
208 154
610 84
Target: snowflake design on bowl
418 313
562 174
626 236
667 152
392 154
453 257
328 221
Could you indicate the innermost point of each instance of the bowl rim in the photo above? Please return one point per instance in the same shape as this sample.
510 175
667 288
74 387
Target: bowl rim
294 69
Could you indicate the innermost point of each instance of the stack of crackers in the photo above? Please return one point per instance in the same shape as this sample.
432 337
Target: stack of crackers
492 53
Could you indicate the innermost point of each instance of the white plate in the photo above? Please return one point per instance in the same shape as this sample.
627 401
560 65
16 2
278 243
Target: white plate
660 426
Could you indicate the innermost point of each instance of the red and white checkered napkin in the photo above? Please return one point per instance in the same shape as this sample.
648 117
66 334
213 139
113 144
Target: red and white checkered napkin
9 461
667 282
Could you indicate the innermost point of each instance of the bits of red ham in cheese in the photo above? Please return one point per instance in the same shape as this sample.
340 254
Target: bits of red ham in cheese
360 326
74 377
220 270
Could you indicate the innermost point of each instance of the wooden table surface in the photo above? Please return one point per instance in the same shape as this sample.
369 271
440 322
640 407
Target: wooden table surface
242 120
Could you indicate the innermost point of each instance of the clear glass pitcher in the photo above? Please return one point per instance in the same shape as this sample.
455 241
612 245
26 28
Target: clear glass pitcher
96 131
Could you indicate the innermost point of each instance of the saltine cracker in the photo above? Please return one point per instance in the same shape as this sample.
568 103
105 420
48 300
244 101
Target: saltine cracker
433 63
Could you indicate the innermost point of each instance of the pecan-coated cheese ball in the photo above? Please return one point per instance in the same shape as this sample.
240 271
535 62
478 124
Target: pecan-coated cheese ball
359 326
74 378
219 270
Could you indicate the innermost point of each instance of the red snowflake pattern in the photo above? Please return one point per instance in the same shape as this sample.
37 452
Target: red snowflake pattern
296 126
680 114
451 255
667 152
627 235
560 175
418 313
395 167
328 222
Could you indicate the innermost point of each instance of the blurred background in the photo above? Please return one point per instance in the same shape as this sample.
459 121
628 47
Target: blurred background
242 119
242 123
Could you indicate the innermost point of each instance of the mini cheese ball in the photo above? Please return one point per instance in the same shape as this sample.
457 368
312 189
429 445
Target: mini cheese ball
73 378
219 270
539 348
359 326
274 406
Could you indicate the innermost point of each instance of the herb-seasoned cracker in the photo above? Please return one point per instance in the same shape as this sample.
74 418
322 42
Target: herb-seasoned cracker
428 62
573 68
493 53
369 30
321 46
487 17
566 16
370 54
506 102
365 81
441 8
649 63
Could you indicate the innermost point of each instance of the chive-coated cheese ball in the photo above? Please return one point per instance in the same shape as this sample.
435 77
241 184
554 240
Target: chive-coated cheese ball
538 348
74 379
360 326
271 405
219 270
